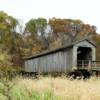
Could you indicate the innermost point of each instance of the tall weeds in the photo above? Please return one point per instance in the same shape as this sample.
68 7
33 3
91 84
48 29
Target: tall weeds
50 88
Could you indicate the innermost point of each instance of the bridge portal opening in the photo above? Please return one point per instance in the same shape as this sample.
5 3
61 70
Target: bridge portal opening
84 55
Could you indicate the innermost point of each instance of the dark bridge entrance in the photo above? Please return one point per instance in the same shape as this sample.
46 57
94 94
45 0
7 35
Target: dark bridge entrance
84 56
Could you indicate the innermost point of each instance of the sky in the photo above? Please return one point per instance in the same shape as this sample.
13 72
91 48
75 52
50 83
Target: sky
85 10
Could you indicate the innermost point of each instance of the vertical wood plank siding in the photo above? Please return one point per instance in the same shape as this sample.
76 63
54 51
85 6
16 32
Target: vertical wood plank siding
54 62
59 61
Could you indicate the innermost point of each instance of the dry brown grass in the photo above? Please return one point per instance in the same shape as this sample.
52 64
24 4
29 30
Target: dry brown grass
63 88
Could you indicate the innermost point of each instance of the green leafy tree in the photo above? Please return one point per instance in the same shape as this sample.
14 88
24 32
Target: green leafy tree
35 33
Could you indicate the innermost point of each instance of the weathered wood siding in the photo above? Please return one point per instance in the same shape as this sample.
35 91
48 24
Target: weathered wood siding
58 61
55 62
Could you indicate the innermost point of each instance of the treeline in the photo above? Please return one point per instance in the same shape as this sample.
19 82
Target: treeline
41 35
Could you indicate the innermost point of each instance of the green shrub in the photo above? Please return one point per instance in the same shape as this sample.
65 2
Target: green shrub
2 88
2 97
10 72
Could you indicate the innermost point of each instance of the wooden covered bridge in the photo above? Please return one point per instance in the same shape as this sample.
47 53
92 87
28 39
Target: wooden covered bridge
77 55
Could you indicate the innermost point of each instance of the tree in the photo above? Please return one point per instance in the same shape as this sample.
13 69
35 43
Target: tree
7 30
35 31
30 28
96 38
41 26
70 29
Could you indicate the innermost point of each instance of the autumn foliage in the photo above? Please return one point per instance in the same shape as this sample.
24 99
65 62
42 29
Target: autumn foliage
41 35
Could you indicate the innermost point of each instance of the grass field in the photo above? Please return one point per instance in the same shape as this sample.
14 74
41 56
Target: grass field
50 88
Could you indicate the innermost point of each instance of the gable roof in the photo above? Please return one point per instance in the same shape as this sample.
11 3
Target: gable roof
58 49
91 42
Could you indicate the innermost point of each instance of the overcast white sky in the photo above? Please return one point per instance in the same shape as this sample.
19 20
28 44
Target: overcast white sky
86 10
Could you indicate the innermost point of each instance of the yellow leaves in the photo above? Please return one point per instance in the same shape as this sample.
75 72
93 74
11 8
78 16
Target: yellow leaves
37 48
3 56
97 39
3 26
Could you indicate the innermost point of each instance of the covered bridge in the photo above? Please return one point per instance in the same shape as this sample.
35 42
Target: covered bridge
64 59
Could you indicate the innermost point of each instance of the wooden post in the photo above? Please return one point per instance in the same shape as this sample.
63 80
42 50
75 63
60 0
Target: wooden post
83 64
93 54
75 56
90 65
95 65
